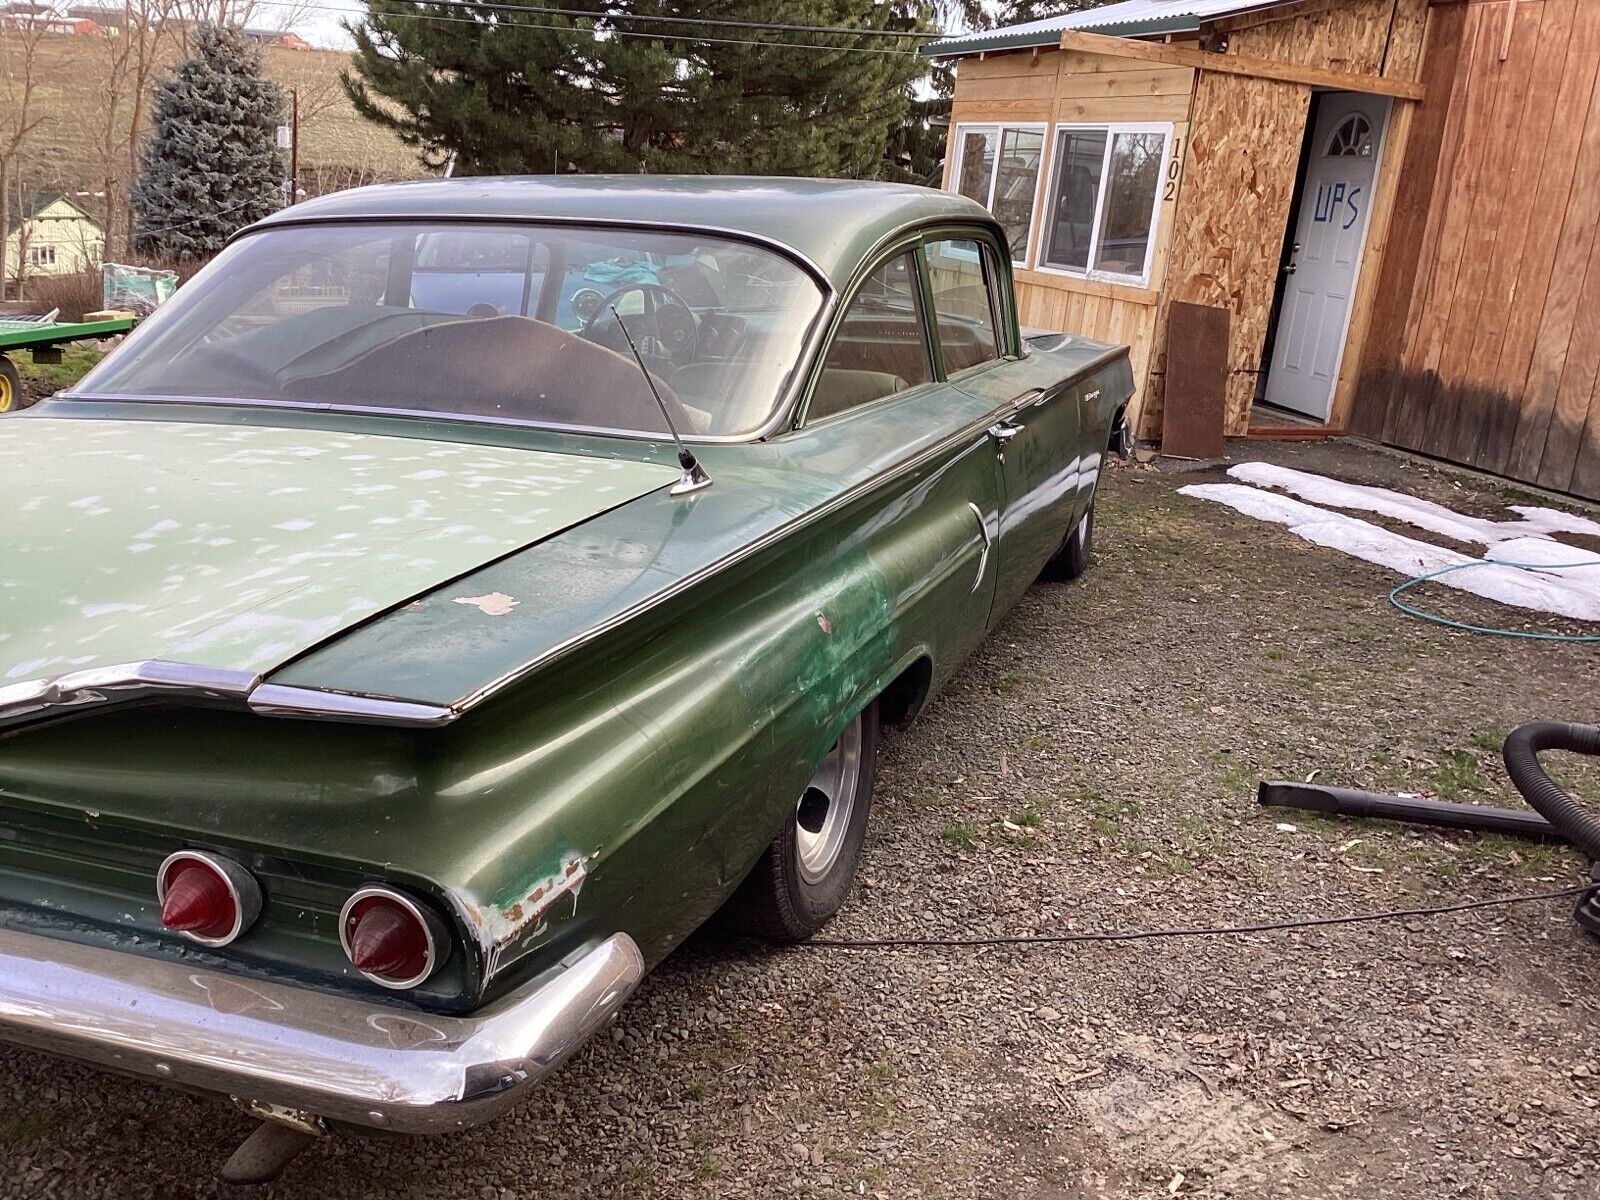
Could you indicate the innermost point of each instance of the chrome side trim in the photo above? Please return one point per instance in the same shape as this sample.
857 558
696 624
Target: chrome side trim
280 700
974 430
123 683
342 1057
983 556
129 683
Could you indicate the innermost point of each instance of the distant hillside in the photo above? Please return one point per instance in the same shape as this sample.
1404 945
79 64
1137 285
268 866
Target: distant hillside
82 143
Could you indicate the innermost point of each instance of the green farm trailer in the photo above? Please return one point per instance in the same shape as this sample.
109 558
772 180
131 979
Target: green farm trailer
44 339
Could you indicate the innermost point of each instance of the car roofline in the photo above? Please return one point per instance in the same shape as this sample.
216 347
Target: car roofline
378 218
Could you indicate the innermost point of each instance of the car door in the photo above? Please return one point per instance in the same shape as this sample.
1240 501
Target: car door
1036 431
876 397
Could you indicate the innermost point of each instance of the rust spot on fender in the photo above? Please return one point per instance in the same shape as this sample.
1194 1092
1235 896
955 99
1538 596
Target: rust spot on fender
506 932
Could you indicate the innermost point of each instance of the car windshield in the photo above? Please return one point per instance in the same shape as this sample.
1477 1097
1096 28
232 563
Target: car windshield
510 322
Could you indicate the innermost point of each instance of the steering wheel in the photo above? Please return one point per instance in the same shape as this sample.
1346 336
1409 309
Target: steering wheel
667 325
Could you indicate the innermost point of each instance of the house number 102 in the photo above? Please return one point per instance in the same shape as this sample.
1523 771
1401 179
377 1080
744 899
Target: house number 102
1174 169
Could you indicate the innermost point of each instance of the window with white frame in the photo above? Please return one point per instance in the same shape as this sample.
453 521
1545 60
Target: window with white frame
1105 189
42 256
998 166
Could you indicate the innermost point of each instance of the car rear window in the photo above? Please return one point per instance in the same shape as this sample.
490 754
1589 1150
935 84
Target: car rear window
508 322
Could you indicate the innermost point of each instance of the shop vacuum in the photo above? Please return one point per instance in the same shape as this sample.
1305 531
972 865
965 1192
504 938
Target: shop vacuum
1557 817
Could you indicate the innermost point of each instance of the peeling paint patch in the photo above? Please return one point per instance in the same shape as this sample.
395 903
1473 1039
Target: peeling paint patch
507 931
495 604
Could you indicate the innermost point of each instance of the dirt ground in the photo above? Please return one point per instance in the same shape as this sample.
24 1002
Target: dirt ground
1093 767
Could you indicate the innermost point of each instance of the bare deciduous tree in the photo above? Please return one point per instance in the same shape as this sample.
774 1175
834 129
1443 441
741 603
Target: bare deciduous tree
20 115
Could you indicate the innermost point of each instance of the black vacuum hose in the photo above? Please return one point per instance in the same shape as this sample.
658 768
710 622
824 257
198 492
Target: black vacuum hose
1521 754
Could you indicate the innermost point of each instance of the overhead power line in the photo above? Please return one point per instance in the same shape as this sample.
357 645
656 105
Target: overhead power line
720 22
596 34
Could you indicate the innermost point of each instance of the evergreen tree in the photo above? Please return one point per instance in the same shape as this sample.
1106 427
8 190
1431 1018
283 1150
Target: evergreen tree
210 164
527 90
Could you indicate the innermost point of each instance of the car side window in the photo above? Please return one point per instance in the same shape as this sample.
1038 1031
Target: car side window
881 346
963 304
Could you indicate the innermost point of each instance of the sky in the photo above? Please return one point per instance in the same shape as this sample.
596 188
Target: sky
321 27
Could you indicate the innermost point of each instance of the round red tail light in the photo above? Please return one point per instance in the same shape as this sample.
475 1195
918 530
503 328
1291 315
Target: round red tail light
205 897
390 938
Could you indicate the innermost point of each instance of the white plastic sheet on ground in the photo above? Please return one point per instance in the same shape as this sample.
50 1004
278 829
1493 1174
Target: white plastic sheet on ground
1573 593
1424 514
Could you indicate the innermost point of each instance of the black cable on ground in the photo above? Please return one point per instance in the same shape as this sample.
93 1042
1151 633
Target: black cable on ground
1135 935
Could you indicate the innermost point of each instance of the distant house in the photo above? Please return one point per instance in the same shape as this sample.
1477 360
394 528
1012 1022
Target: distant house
278 37
90 18
52 236
24 14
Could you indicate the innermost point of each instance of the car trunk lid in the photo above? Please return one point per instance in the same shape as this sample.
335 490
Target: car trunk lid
238 547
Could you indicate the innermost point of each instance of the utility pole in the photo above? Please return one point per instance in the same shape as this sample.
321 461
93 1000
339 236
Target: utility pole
294 145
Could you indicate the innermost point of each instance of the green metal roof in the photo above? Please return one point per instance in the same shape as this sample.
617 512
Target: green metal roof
832 223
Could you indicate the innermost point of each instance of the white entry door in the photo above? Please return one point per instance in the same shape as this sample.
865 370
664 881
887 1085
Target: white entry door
1330 226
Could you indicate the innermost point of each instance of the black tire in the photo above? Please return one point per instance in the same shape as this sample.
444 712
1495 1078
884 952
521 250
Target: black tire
778 901
10 386
1072 560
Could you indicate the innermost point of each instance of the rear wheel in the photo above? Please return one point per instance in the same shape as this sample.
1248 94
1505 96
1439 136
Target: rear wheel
1072 560
803 878
10 386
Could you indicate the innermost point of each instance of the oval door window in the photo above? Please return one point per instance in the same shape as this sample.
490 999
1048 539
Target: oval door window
1352 138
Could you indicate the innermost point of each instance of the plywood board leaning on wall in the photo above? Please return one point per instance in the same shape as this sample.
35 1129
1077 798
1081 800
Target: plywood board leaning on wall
1244 143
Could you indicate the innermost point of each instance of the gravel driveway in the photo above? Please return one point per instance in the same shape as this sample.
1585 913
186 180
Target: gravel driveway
1092 767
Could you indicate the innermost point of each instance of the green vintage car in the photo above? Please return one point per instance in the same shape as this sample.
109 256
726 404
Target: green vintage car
464 589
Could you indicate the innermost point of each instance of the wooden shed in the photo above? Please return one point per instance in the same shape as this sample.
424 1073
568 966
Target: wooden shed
1393 203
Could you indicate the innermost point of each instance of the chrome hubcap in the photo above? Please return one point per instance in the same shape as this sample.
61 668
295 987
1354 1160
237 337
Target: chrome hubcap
822 817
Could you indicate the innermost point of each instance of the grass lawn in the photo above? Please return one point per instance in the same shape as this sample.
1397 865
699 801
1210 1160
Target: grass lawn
49 377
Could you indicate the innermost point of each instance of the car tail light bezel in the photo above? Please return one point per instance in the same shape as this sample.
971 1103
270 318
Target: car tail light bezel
434 930
243 891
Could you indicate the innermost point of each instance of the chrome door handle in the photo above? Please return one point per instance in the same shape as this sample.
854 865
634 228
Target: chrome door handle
983 555
1004 431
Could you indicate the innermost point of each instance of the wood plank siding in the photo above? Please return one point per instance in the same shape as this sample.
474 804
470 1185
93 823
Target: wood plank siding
1049 86
1486 330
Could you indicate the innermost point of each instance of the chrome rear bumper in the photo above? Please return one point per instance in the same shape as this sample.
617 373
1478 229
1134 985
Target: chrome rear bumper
339 1057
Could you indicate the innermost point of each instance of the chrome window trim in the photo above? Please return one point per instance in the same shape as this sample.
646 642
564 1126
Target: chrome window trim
799 377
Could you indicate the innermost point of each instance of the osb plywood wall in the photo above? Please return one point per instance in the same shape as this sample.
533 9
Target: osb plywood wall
1238 181
1049 86
1486 345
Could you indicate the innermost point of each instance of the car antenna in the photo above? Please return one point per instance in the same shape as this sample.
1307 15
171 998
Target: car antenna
694 476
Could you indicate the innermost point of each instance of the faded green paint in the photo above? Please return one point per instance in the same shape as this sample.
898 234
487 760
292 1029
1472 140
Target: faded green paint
672 668
240 547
